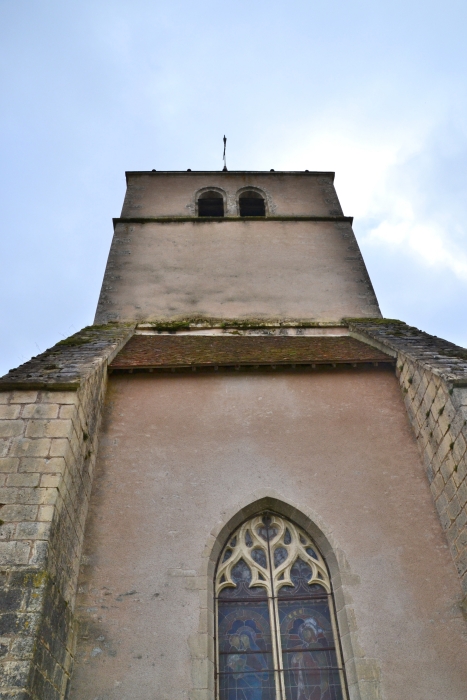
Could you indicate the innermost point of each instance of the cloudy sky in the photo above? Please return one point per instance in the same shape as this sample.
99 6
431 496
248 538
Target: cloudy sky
375 91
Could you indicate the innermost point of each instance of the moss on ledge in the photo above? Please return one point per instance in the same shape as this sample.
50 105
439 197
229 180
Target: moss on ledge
189 322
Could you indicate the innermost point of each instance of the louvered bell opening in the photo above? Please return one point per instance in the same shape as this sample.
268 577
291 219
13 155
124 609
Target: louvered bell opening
211 207
252 206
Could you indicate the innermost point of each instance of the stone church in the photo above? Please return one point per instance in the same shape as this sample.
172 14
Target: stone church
242 482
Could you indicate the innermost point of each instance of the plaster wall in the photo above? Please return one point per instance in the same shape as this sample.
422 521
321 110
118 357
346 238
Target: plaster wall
287 194
181 454
235 269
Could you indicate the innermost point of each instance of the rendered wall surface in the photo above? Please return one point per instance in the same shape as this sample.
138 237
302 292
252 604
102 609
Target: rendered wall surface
287 194
235 269
180 455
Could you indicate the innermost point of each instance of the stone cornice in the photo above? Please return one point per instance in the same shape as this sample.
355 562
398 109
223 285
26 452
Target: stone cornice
444 359
225 219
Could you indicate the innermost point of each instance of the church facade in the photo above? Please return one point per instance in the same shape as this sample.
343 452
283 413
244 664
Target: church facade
240 483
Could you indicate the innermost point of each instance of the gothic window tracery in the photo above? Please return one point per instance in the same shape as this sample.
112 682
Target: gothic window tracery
276 629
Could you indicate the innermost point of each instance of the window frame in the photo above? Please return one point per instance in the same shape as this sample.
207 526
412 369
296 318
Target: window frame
205 190
273 607
256 190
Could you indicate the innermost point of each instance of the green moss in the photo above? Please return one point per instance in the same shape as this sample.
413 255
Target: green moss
188 322
74 341
88 334
376 321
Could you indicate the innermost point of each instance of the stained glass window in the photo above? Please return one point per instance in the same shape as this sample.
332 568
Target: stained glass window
276 629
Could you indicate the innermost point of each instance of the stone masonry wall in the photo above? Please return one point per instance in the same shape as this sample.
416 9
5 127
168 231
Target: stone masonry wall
433 377
49 419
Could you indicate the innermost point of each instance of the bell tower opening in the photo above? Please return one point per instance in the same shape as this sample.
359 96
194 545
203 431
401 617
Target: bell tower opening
210 203
251 203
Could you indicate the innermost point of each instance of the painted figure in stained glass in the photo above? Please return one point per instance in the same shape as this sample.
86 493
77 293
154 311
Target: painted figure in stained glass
247 667
311 680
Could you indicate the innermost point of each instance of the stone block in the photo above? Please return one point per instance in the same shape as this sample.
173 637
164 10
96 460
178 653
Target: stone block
22 647
60 397
27 496
445 519
437 433
450 488
26 396
430 393
61 447
26 479
36 428
11 428
444 447
459 396
14 553
462 468
41 411
444 423
446 470
38 555
9 411
462 493
16 513
461 563
46 513
51 465
7 531
459 448
26 447
59 429
14 674
462 541
454 508
51 480
9 464
68 411
33 530
461 520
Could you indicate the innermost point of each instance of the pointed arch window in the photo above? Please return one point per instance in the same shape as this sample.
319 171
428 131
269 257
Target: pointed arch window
276 628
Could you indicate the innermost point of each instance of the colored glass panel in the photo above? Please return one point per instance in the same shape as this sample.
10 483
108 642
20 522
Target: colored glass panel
244 627
305 681
262 655
247 685
305 624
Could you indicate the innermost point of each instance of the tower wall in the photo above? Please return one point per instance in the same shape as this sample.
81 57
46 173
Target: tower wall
299 262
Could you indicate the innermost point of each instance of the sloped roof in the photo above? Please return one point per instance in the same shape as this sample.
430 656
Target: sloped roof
171 351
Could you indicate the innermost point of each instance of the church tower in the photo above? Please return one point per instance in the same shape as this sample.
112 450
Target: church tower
242 482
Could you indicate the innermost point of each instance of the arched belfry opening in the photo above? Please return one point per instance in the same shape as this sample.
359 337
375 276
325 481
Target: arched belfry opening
251 203
210 203
276 628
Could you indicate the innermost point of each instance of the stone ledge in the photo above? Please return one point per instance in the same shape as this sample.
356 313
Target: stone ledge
70 361
224 219
446 360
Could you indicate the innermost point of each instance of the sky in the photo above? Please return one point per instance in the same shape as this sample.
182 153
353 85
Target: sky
375 91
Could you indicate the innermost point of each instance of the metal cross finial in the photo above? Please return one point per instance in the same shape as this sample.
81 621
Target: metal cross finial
225 162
